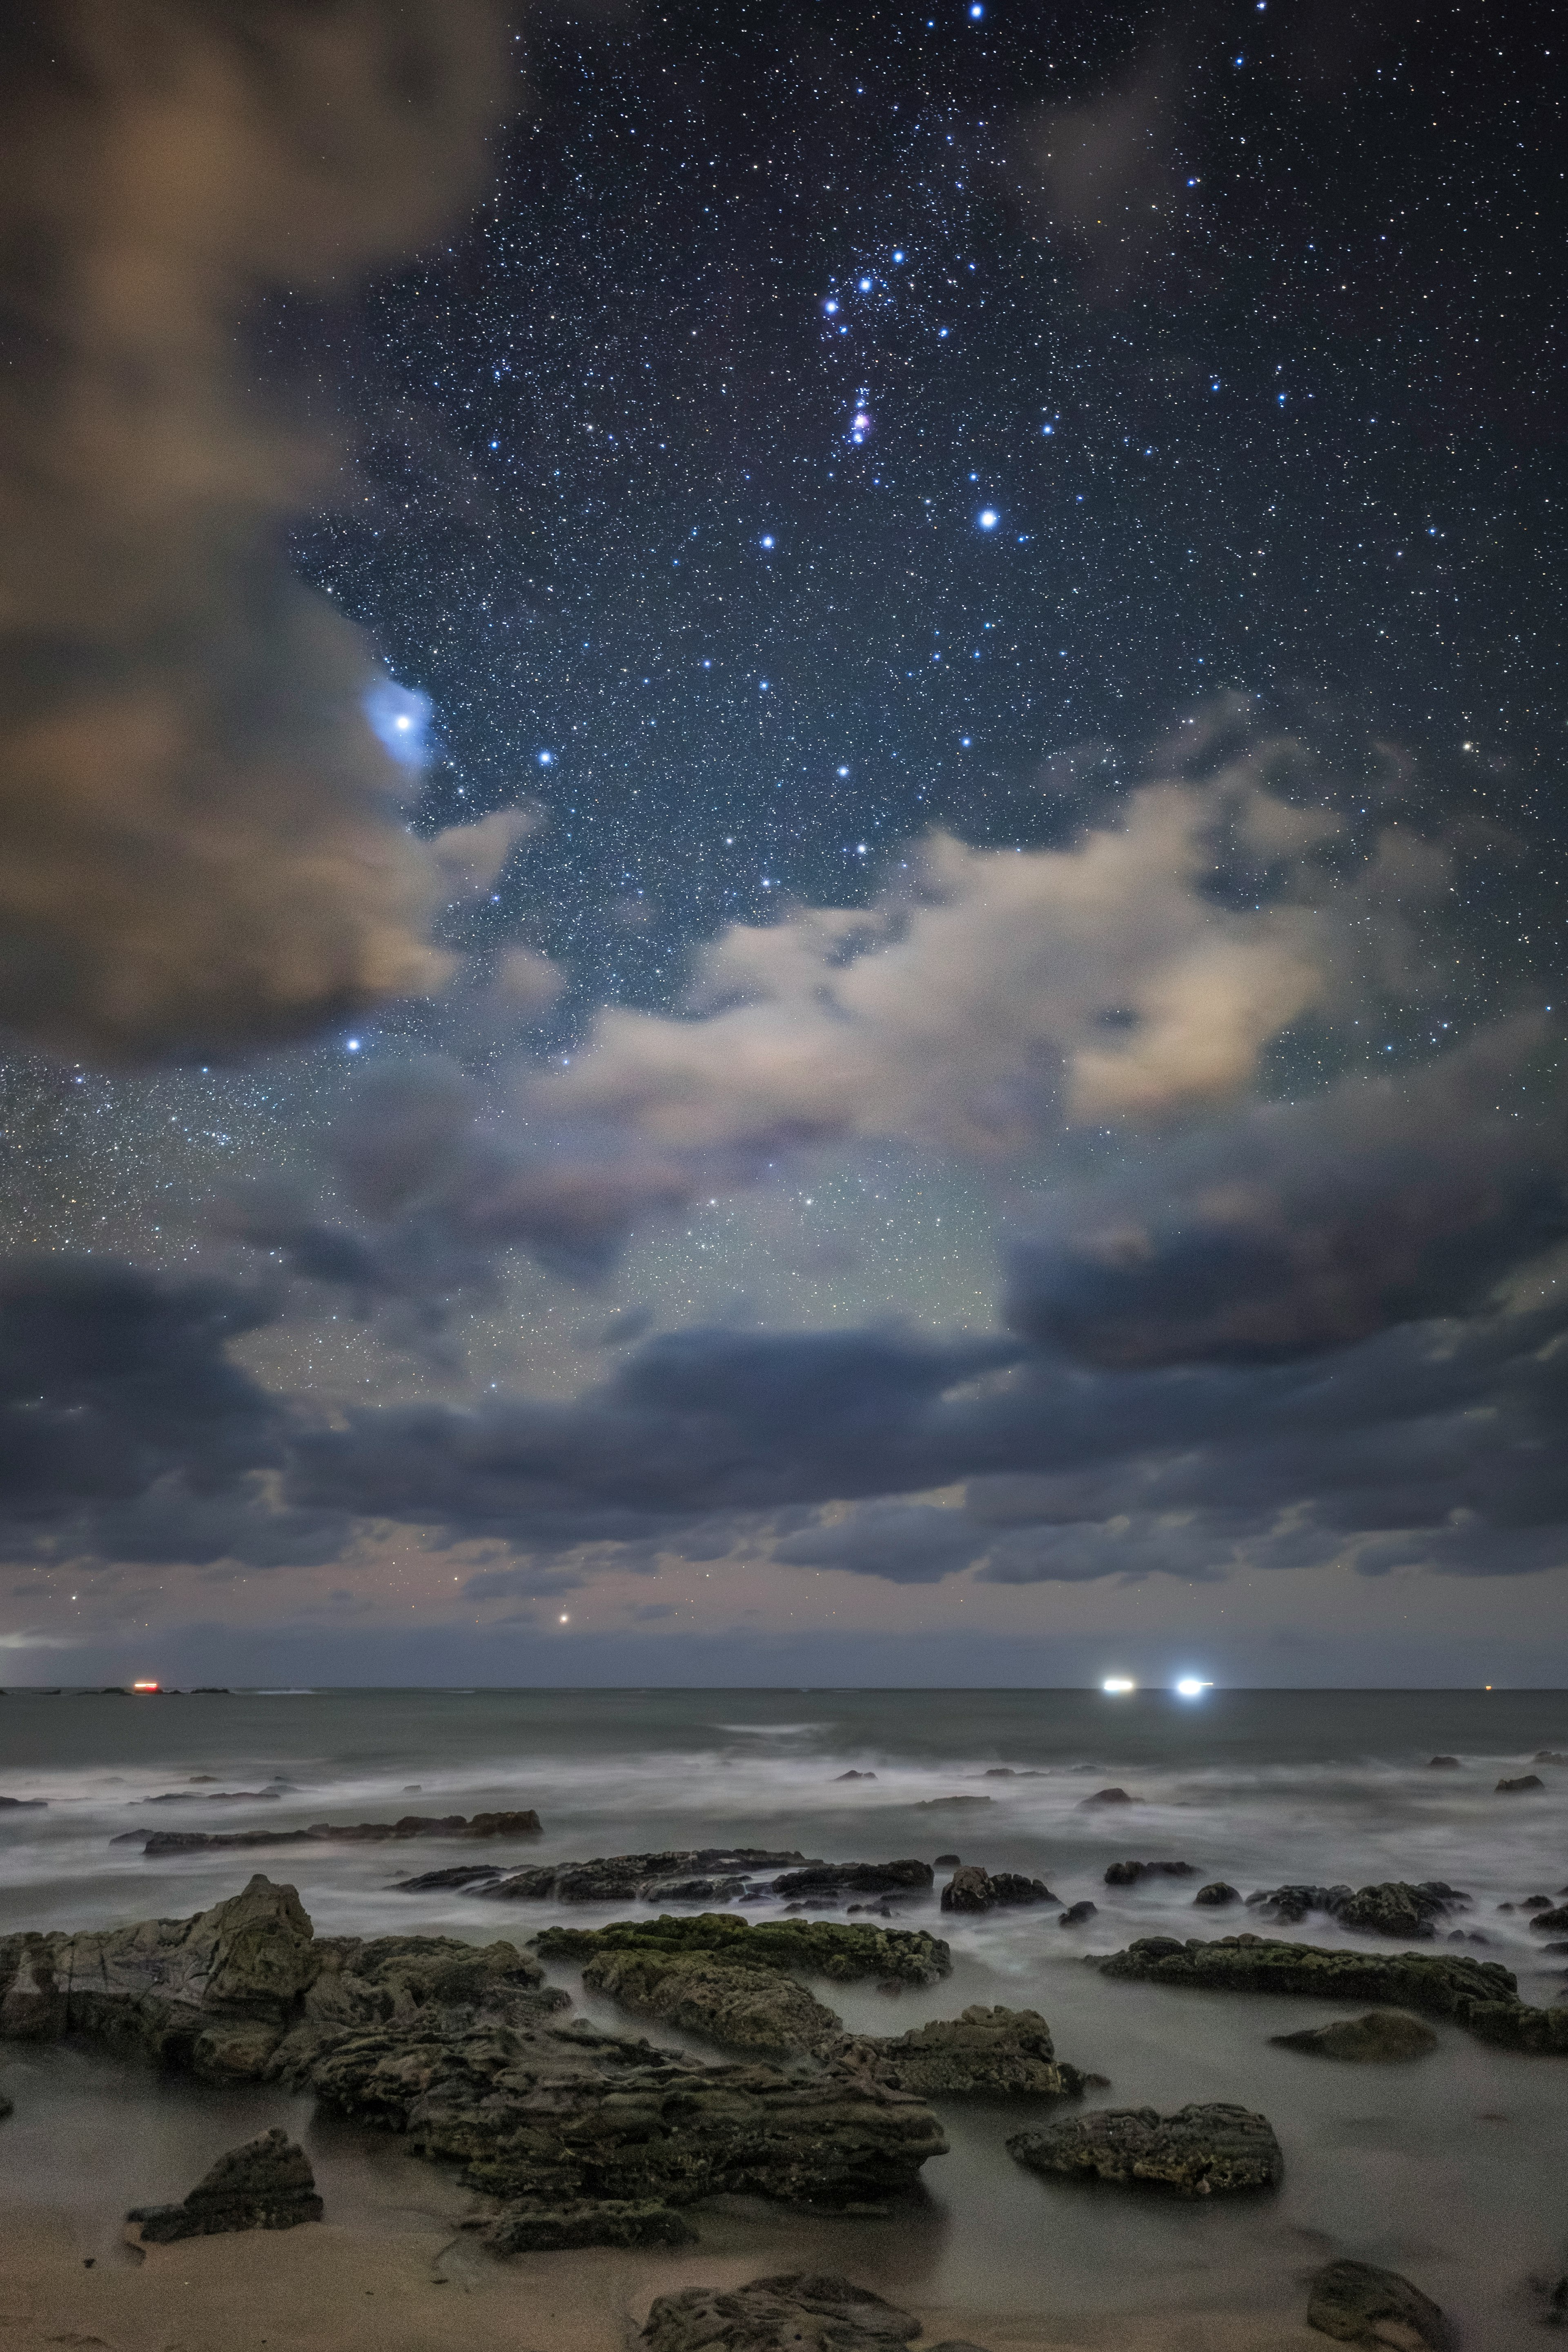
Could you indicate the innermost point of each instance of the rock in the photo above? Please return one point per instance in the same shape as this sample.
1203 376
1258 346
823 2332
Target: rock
843 1954
24 1804
1481 1995
1217 1894
463 1873
855 1878
1443 1764
1380 2038
1395 1907
1551 1922
799 2312
744 2008
1198 2151
465 2050
1357 2304
1525 1780
984 2052
1548 1756
1554 2295
973 1889
1536 1902
267 2184
856 1775
163 1985
1077 1913
949 1861
633 1877
412 1825
1110 1796
949 1804
8 2106
533 2227
1128 1873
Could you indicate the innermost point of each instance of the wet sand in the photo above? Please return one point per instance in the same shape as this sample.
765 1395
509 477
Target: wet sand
357 2287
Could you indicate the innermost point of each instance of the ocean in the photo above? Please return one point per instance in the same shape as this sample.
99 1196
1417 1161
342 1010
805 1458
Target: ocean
1449 2170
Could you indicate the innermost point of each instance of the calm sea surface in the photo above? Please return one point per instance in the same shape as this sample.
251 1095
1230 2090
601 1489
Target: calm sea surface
1451 2170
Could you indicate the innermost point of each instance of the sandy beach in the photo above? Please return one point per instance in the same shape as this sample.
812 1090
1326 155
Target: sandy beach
359 2287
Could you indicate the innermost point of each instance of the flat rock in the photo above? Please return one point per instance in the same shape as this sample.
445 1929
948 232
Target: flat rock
1524 1780
855 1878
800 2310
1216 1895
949 1804
1358 2303
844 1954
855 1776
1481 1995
1128 1873
644 1878
984 2053
1443 1764
1199 2151
1382 2037
531 2227
461 1874
1542 1756
267 2184
24 1804
744 2008
412 1825
973 1889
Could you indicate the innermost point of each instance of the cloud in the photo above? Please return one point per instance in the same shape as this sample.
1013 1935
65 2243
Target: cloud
1305 1225
203 848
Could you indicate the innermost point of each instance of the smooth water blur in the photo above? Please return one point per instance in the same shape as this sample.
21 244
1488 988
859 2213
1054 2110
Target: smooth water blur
1449 2169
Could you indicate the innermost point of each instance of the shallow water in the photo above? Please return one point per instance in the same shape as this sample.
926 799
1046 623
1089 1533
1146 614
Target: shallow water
1450 2168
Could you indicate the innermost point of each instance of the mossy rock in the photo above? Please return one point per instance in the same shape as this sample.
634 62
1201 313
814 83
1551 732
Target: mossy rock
806 1947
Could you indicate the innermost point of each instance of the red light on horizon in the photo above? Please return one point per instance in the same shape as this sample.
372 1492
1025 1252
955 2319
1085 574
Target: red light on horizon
146 1686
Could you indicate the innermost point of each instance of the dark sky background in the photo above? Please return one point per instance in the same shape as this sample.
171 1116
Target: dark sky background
986 1103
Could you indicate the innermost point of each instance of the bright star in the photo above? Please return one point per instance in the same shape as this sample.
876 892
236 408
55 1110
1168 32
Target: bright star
830 307
865 286
351 1045
399 719
767 538
897 256
988 517
547 759
844 771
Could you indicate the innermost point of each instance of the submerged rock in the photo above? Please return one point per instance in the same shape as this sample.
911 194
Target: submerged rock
973 1889
1481 1995
1357 2304
644 1878
1199 2151
1078 1913
267 2184
1110 1796
845 1954
1525 1780
1217 1894
800 2310
984 2053
533 2227
1549 1756
855 1878
1128 1873
1382 2037
949 1804
412 1825
1442 1764
1395 1907
1551 1922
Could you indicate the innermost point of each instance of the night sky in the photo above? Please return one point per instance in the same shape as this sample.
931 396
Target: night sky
1048 520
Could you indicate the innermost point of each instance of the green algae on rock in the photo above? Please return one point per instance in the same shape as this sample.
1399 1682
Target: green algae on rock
800 2310
1356 2303
982 2053
744 2008
1481 1995
1382 2037
1198 2151
807 1948
267 2184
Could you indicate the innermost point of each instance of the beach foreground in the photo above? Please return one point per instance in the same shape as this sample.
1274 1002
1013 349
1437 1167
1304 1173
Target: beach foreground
360 2286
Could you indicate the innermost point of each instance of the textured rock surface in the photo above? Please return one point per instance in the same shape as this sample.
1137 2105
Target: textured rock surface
468 2053
845 1954
267 2184
1551 1922
1481 1995
973 1889
1395 1907
744 2008
855 1878
1382 2037
1128 1873
1218 1894
1356 2304
1525 1780
645 1877
531 2227
984 2052
1199 2151
412 1825
1076 1914
800 2310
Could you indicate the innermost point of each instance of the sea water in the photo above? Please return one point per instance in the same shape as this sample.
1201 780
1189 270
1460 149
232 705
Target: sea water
1450 2169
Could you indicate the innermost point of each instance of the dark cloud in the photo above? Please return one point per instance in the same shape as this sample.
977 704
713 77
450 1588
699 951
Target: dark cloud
203 846
907 1543
1306 1225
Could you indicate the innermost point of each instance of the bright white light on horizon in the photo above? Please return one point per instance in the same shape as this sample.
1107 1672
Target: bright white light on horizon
1118 1685
1189 1687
